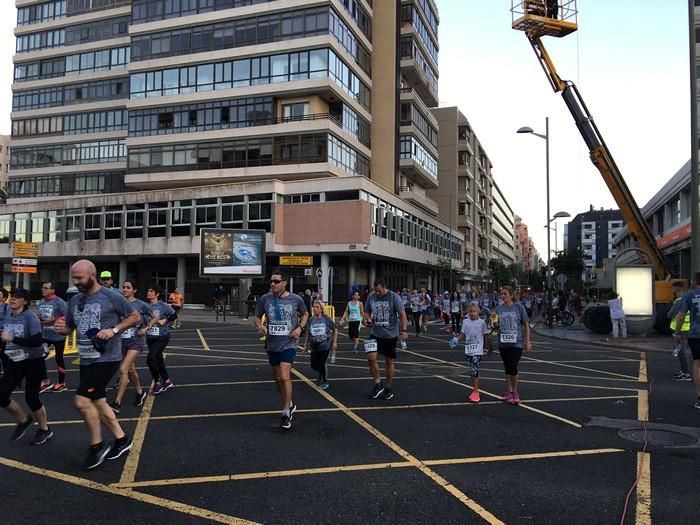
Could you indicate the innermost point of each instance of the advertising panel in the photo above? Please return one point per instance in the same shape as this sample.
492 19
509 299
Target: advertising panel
231 253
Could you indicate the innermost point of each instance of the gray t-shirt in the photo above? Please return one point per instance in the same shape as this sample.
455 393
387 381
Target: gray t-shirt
130 335
510 325
164 310
103 309
691 303
25 324
283 316
321 332
55 308
385 311
4 312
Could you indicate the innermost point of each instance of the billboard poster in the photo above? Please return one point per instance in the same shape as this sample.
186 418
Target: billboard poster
231 253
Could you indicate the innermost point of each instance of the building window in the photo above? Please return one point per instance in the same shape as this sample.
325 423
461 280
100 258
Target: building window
296 111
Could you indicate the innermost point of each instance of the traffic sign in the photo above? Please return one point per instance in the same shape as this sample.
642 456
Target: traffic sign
296 260
308 272
561 279
18 261
24 269
27 245
319 273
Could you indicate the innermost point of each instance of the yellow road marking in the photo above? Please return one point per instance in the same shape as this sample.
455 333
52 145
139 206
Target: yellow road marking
578 367
523 405
437 478
642 405
138 496
643 377
201 338
355 468
643 514
132 460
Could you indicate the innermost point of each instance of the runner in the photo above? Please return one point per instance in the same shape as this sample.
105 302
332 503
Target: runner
324 338
158 337
383 311
132 344
106 279
177 301
445 309
425 308
474 330
99 315
22 337
691 303
4 312
455 312
513 334
286 318
51 308
354 313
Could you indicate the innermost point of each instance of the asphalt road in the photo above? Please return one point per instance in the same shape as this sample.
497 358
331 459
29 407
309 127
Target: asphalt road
211 450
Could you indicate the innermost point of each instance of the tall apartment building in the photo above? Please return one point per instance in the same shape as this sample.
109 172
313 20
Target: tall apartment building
503 233
4 159
523 244
593 232
464 196
135 124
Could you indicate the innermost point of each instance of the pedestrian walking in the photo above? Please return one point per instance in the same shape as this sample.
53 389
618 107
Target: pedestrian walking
98 315
513 337
691 304
22 336
286 317
250 303
322 338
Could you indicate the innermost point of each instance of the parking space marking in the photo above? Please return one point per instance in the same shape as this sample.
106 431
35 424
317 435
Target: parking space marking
519 457
643 510
138 496
132 459
437 478
555 363
201 338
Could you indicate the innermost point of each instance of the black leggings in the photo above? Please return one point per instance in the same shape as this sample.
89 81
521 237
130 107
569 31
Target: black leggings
318 362
416 321
33 370
60 347
511 357
456 316
155 360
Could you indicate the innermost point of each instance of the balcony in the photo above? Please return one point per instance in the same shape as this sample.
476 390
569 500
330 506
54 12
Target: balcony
408 94
417 196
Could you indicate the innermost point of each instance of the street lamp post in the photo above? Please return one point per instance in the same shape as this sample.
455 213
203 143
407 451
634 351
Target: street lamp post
549 220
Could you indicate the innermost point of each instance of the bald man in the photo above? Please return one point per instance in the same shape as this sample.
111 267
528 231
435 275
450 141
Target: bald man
99 315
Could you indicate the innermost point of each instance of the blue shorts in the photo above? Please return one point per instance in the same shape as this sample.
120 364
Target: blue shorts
285 356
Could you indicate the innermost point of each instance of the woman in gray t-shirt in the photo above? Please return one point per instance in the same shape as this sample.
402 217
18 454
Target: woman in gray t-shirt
322 337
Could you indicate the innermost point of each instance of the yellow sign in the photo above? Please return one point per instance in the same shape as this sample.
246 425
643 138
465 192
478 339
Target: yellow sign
296 260
27 245
24 269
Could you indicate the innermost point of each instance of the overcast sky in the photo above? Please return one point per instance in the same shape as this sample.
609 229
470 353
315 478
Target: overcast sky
629 60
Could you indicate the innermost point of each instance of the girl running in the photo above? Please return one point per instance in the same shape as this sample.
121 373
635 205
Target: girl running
354 313
513 335
456 312
133 342
158 337
323 337
22 336
473 331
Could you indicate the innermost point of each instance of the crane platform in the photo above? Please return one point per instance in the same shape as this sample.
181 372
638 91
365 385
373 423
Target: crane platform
538 18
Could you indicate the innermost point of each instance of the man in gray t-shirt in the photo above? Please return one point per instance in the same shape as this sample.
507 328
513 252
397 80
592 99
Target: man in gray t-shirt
285 318
51 307
383 312
98 315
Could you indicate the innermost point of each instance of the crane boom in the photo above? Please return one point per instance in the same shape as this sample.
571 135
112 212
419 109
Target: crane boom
602 159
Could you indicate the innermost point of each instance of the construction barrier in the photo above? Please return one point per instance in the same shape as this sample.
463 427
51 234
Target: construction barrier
329 310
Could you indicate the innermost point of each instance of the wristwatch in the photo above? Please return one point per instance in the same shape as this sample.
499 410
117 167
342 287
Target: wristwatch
115 330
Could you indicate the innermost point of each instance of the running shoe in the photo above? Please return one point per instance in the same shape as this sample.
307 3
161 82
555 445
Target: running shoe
376 391
324 385
286 421
387 394
167 385
474 397
60 387
42 436
46 385
697 404
96 456
681 376
140 398
21 429
116 407
515 399
156 389
507 397
119 448
292 408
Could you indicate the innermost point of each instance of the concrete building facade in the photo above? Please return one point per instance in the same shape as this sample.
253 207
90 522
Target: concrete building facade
4 159
593 233
503 233
137 123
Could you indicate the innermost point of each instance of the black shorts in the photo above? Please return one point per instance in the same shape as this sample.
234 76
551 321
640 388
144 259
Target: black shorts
94 379
353 329
694 345
385 346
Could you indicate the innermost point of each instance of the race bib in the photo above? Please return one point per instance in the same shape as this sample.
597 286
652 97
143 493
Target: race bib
45 311
508 337
128 333
16 354
471 348
277 328
87 351
318 330
370 346
381 323
354 317
153 331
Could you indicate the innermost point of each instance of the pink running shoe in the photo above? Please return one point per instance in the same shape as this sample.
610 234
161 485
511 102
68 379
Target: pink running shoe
507 397
515 399
474 397
157 389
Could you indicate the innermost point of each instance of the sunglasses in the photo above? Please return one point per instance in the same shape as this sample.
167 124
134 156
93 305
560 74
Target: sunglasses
275 281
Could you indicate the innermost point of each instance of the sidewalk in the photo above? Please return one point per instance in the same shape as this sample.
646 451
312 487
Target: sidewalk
654 341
